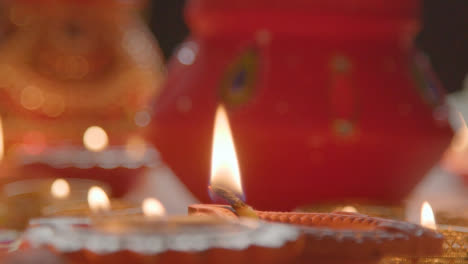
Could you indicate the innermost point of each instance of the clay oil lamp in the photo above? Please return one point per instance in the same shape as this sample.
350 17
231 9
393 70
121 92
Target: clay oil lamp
339 237
81 213
27 199
455 244
456 237
154 237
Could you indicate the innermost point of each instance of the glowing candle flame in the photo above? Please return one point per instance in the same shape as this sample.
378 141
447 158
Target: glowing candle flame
95 138
427 216
349 209
2 146
153 208
98 200
60 189
224 165
460 142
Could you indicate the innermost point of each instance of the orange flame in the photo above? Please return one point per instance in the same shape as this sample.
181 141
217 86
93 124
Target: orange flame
98 200
224 164
427 216
349 209
153 208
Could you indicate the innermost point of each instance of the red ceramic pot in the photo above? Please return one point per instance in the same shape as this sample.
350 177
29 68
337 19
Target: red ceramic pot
328 100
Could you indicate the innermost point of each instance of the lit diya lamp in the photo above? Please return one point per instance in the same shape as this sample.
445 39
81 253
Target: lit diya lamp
97 200
455 245
30 199
116 236
155 238
456 237
330 237
79 212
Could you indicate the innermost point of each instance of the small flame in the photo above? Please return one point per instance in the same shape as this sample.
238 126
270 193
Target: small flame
98 200
153 208
349 209
460 141
224 164
427 216
2 145
95 138
60 189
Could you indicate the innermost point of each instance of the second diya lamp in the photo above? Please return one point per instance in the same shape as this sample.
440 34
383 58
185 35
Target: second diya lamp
455 243
27 199
154 238
80 213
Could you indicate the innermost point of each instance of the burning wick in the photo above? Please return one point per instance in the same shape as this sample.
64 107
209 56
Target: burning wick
225 174
242 209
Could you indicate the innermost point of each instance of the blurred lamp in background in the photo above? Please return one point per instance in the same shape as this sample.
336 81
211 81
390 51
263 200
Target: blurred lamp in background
76 78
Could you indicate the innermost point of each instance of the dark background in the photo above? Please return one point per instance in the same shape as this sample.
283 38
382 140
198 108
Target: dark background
444 36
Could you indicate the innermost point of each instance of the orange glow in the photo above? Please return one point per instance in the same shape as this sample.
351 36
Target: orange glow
60 189
427 216
98 200
349 209
153 208
224 164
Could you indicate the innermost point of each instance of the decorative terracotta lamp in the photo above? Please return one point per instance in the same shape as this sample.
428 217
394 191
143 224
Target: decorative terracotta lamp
76 78
329 100
82 212
330 237
28 199
455 246
154 238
